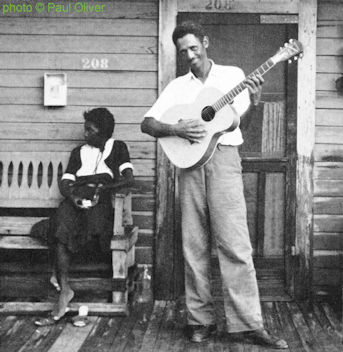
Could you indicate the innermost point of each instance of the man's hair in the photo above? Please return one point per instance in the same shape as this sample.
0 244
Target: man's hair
188 27
102 119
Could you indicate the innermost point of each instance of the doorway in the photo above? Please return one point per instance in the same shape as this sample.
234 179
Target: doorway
269 150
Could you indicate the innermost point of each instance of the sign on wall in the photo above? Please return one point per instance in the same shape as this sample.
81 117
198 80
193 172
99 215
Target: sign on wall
55 89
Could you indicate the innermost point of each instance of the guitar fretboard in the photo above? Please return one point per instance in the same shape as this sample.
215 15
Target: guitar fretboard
228 97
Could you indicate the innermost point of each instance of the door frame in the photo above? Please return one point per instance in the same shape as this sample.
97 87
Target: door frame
168 266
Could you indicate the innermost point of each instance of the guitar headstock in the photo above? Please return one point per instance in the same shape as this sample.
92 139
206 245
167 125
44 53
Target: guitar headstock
292 49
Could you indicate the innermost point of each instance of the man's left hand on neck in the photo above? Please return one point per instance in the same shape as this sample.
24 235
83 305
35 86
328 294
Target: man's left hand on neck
254 84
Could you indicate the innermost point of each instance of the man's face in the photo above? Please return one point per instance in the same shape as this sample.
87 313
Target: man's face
192 50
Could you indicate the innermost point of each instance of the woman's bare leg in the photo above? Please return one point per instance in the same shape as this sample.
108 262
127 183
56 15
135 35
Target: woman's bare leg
66 294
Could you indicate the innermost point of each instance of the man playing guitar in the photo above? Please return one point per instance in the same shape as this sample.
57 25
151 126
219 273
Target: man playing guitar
212 199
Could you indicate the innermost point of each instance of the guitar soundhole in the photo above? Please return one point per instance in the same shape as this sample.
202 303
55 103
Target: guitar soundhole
208 113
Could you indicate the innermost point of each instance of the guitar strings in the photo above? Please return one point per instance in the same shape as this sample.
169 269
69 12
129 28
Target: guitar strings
228 98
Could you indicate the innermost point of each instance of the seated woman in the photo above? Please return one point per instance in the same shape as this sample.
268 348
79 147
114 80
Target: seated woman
94 168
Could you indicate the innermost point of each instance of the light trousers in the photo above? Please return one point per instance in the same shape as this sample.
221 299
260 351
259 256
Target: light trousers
213 204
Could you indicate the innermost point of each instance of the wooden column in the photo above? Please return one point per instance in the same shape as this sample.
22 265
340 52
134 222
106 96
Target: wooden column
168 256
305 146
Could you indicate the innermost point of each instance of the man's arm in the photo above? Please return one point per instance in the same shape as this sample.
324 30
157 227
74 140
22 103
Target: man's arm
192 130
156 128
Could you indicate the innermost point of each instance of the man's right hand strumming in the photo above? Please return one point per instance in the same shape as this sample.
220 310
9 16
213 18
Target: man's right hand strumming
190 129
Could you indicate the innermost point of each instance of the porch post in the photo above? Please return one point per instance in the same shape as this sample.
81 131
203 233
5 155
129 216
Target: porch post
168 277
305 146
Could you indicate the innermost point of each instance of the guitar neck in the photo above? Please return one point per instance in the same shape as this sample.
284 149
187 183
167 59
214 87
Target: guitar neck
228 97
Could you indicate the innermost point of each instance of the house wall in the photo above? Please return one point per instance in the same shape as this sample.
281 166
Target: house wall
125 35
328 153
110 59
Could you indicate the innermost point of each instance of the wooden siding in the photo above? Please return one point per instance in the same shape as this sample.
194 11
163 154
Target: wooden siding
125 35
328 153
240 6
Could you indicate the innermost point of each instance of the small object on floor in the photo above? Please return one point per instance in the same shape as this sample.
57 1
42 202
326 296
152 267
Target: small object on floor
200 333
81 319
49 320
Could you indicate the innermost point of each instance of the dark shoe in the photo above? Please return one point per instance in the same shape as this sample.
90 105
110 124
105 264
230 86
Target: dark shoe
262 337
200 333
236 336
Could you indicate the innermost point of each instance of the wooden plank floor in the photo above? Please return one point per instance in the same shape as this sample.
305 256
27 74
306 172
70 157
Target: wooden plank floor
151 328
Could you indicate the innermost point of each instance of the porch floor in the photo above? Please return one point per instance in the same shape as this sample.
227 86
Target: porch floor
159 327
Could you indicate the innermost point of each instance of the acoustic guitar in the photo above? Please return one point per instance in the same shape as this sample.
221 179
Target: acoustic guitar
213 108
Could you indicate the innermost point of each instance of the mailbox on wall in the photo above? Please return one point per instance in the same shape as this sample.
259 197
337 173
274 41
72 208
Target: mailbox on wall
55 89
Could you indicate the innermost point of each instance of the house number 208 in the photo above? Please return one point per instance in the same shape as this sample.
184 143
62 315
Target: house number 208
94 64
218 5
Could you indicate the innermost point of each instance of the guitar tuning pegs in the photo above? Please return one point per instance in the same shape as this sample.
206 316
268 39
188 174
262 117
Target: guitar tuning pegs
295 58
289 61
291 41
301 55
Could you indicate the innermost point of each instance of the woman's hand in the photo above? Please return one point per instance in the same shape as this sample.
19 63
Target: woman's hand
66 188
80 202
85 203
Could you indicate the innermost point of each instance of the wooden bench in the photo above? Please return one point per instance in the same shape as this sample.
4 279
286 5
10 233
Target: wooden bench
29 185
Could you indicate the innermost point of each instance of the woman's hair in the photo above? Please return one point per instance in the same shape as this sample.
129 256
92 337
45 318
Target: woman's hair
102 119
188 27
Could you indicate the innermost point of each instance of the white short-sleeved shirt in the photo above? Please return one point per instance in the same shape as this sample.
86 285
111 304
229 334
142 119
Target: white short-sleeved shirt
185 89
